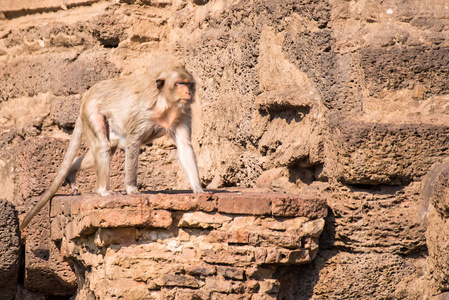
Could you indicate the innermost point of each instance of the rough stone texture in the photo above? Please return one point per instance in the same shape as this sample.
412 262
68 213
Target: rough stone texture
339 99
381 221
44 267
75 73
435 216
402 67
129 247
14 8
394 154
341 275
9 250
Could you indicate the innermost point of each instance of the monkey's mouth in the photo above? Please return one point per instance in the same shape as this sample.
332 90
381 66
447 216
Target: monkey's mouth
185 101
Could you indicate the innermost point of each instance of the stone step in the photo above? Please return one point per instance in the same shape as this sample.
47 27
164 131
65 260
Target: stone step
194 245
17 8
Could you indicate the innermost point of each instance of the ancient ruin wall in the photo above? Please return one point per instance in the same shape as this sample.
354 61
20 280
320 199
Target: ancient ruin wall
184 246
345 100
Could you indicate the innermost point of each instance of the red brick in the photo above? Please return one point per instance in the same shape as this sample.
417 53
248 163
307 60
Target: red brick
183 202
231 237
130 217
112 218
244 204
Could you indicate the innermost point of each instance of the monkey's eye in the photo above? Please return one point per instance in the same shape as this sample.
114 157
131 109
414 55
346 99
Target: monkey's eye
182 83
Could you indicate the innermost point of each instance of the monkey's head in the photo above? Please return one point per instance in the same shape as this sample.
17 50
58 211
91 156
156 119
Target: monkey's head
177 85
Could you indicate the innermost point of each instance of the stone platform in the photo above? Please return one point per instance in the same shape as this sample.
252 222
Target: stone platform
222 245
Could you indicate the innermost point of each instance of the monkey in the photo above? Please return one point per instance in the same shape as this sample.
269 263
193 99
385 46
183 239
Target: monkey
127 113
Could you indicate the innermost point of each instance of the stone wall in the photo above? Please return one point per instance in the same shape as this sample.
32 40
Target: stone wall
184 246
345 100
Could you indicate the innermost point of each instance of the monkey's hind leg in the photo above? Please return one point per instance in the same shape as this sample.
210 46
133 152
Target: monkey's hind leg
100 147
83 162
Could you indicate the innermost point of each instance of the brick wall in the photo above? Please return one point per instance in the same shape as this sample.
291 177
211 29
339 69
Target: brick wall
185 246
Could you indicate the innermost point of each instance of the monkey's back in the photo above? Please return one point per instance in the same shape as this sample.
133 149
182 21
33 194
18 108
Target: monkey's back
123 101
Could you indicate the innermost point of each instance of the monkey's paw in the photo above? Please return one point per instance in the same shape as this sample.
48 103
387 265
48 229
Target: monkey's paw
132 190
197 190
75 190
105 193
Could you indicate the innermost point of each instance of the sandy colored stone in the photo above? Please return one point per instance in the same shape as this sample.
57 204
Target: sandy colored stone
129 255
348 95
10 250
45 269
203 220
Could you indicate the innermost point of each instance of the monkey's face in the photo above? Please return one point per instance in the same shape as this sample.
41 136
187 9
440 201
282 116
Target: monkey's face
183 90
178 87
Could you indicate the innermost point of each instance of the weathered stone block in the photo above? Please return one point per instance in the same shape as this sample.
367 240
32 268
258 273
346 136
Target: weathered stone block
293 206
244 204
230 237
183 202
223 286
435 214
140 246
200 270
13 7
373 153
397 227
60 74
289 240
62 206
272 255
435 189
120 236
45 268
364 275
283 224
189 294
231 273
400 67
9 250
180 280
127 288
203 220
313 228
232 255
119 218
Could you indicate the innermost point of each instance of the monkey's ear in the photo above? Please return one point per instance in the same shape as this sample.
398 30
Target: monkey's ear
160 83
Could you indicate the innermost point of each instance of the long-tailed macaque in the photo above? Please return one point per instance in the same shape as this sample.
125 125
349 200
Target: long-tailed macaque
126 113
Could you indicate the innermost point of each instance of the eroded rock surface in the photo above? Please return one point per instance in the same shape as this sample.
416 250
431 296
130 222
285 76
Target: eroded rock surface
345 100
10 250
184 246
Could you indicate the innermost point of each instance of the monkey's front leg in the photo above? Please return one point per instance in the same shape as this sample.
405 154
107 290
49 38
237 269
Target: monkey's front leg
131 161
187 156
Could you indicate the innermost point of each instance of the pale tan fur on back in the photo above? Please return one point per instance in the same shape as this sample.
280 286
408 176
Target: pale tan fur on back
128 112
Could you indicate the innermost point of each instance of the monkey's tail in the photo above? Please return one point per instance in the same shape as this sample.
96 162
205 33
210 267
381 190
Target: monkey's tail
63 171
